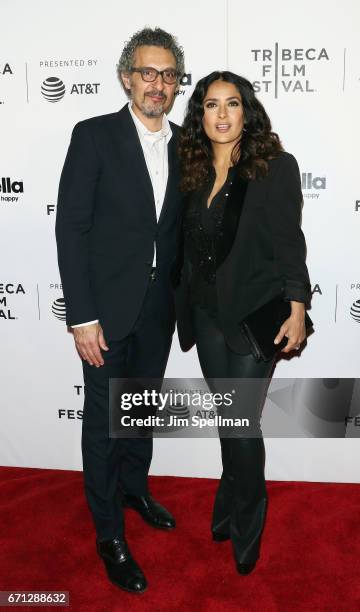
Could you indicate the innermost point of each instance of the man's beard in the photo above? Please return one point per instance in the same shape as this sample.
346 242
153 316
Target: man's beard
153 109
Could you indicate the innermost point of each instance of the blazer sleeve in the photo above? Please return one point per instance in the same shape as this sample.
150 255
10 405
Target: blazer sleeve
288 238
75 207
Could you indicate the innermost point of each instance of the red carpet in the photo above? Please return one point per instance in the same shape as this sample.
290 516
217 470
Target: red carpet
310 552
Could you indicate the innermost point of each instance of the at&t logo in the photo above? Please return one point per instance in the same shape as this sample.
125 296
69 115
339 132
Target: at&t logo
355 306
53 89
58 309
355 311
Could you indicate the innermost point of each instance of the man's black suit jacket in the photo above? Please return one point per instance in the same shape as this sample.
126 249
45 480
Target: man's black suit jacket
260 251
106 224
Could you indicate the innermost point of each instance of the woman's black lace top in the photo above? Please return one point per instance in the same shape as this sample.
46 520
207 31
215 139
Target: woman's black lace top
201 226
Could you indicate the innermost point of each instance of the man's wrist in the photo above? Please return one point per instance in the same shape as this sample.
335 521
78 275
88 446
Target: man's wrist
83 324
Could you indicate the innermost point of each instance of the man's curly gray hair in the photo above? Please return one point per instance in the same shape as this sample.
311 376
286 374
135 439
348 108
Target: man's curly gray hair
155 37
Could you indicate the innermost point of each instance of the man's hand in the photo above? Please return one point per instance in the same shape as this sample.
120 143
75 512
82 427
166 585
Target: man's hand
293 328
89 339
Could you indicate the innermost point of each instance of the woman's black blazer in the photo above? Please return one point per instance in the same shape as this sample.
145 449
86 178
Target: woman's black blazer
260 253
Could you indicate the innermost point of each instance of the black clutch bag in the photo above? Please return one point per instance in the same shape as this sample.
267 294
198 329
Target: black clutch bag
261 327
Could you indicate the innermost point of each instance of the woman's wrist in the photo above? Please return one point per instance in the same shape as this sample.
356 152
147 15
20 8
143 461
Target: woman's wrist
297 308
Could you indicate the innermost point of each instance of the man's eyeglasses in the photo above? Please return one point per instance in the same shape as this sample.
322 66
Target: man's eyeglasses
169 75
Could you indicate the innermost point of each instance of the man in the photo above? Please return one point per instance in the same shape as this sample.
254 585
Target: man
116 232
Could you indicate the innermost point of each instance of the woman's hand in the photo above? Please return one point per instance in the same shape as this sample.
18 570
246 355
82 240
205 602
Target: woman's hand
293 328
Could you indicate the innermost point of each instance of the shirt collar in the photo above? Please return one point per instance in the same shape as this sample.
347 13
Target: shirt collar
143 131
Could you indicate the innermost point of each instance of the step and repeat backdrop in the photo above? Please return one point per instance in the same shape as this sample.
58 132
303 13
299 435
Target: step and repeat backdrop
304 62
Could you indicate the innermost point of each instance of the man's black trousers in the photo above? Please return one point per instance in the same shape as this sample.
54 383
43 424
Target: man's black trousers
116 465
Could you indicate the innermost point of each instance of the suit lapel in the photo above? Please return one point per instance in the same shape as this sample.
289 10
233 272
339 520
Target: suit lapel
233 209
128 137
172 176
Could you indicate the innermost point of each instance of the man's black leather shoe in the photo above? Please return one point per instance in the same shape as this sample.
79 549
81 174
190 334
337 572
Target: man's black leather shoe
245 568
151 511
121 568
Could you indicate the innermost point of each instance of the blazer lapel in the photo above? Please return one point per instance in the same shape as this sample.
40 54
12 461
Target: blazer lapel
172 176
128 138
233 209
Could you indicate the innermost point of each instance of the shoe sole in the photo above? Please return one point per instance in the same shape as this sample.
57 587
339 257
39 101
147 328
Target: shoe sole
123 588
219 537
246 572
157 526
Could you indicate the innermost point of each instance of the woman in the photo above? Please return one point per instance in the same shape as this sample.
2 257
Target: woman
242 245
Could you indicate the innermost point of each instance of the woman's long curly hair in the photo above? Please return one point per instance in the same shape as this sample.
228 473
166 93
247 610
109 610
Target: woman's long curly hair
251 153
